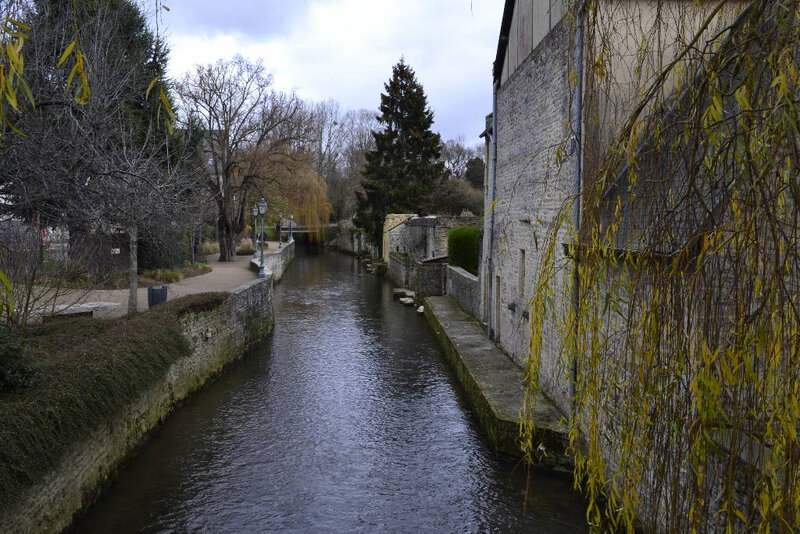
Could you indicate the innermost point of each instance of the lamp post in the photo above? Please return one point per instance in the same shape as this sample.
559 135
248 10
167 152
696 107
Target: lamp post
280 229
255 232
262 209
291 223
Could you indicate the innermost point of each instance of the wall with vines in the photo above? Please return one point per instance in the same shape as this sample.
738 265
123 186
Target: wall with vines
686 336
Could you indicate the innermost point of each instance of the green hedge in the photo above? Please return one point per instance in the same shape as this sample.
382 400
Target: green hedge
464 247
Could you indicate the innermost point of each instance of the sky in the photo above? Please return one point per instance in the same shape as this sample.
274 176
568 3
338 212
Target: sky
344 49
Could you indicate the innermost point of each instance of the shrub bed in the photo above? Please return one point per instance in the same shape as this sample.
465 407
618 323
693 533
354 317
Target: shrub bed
464 247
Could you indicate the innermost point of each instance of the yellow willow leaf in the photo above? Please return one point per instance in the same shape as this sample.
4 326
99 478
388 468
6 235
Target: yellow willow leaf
71 76
150 86
66 54
11 96
18 24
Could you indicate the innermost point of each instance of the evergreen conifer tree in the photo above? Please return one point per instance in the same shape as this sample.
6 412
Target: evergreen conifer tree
402 172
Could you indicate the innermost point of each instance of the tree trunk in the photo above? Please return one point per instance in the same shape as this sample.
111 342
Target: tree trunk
227 240
133 272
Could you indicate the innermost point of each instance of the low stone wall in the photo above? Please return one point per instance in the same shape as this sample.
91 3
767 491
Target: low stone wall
465 289
276 262
431 279
398 270
217 338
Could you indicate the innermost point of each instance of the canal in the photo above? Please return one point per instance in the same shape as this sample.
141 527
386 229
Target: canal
347 419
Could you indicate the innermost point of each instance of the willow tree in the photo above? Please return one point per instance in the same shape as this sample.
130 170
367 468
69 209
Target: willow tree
245 122
685 338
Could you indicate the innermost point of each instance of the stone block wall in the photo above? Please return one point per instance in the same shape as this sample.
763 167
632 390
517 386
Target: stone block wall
431 279
465 289
276 262
350 240
392 234
532 187
217 338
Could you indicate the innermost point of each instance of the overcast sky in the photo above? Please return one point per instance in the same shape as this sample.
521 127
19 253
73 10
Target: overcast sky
344 49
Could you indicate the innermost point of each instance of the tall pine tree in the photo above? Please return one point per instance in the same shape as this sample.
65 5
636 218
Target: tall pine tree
401 174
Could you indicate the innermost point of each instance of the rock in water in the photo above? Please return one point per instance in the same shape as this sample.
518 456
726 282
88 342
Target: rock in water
407 301
421 309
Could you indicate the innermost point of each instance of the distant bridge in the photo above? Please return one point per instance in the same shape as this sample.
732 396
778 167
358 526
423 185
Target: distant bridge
297 229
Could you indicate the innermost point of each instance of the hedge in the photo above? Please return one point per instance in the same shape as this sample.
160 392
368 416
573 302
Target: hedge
464 247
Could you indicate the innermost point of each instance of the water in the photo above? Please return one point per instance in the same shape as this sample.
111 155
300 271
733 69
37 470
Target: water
347 420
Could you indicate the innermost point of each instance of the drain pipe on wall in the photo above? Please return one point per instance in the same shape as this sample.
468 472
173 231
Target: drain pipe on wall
577 121
493 189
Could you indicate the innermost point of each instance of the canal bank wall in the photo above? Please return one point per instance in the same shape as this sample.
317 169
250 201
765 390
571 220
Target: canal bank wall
276 262
215 335
495 387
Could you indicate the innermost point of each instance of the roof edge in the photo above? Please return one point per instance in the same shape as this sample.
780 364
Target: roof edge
502 42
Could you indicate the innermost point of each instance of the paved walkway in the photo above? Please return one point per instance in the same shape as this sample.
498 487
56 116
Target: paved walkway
494 384
110 303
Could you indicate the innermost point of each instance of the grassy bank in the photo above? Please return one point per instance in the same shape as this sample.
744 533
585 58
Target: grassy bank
86 371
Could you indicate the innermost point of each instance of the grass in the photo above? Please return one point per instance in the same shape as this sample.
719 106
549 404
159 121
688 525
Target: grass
168 276
85 372
209 247
245 247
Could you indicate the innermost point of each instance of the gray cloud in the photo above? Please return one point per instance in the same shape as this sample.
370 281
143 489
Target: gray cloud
345 49
255 19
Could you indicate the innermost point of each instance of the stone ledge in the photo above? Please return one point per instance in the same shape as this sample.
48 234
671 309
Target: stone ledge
494 385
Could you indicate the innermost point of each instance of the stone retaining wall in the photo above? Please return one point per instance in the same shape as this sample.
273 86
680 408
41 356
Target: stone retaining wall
276 262
465 289
217 338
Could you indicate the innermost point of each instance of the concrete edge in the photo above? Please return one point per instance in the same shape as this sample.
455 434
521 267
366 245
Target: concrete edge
503 432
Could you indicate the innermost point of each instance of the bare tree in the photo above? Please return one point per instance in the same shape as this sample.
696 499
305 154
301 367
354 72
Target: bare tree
456 155
105 164
242 117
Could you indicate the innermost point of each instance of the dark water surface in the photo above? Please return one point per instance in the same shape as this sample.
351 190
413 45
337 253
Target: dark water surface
347 420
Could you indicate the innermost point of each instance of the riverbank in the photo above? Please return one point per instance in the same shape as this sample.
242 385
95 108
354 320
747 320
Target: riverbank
494 385
275 262
102 387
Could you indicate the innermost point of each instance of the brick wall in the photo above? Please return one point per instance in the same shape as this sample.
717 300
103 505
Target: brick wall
217 338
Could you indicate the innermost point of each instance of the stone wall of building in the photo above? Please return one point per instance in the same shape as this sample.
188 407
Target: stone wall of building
465 289
533 114
392 235
217 338
398 269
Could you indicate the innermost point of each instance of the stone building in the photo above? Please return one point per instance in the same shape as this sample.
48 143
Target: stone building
548 131
409 239
539 151
525 187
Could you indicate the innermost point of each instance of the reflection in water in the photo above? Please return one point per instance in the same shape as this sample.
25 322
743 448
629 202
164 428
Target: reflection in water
347 419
